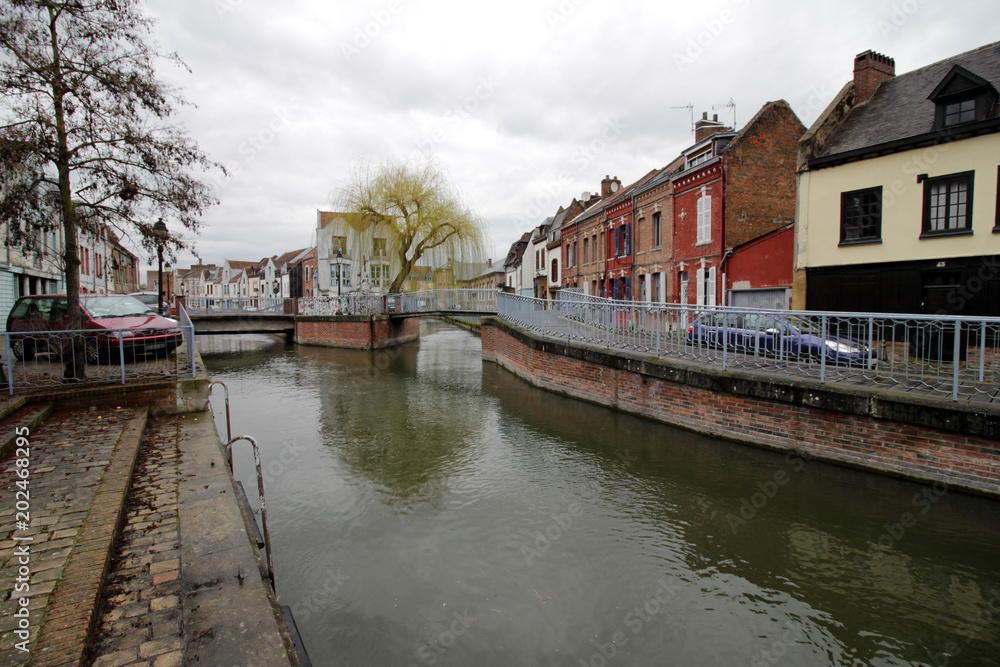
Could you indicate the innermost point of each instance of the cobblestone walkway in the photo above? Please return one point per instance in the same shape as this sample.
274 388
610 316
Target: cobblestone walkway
140 622
75 459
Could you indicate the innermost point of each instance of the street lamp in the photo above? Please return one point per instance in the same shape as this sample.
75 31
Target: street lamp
161 232
340 258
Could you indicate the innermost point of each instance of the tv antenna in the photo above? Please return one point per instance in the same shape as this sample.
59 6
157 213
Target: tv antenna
731 104
690 108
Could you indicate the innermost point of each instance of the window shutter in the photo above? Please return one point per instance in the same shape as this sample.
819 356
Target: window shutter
628 288
699 280
617 239
711 287
628 239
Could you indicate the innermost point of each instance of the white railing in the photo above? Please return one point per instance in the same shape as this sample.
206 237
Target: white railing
347 304
238 305
959 356
40 359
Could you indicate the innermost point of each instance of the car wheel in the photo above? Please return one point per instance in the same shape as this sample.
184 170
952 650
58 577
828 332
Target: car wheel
22 349
93 351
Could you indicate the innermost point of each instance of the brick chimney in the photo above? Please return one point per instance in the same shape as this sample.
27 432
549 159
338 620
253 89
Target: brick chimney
610 186
871 69
705 128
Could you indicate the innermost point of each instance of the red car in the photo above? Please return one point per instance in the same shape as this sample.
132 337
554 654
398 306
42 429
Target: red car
119 322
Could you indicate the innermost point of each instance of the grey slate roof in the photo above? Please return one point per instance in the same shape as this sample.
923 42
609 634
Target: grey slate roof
900 108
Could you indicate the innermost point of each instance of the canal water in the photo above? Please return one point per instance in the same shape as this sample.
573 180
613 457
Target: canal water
427 508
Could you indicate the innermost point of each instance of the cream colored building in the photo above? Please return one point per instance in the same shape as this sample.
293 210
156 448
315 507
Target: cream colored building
898 191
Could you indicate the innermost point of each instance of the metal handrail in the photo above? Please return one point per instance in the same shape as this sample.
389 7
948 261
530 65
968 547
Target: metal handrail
260 492
211 386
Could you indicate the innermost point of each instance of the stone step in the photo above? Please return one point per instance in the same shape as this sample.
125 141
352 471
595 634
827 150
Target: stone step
15 423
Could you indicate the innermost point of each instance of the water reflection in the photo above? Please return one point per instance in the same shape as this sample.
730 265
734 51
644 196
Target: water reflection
431 509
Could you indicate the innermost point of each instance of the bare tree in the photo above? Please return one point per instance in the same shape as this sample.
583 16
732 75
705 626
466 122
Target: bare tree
85 131
418 213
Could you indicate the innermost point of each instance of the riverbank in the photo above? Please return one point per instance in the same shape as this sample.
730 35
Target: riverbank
134 550
887 431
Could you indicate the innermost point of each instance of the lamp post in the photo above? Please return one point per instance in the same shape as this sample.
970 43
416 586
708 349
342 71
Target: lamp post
168 289
340 258
161 232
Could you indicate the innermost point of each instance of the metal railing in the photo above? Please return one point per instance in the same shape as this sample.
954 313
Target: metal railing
467 300
346 304
956 356
239 305
41 359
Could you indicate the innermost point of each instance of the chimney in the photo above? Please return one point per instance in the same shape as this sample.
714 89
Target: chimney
871 69
610 186
706 128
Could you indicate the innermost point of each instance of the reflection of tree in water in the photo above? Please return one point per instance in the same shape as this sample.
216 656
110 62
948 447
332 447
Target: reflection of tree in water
392 430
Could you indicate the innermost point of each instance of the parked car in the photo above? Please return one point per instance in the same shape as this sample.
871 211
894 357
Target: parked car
777 335
142 331
151 299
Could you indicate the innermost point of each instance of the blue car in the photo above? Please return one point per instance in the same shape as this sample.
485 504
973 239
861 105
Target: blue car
770 334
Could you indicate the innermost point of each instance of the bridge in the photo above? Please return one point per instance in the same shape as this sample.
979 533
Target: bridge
293 317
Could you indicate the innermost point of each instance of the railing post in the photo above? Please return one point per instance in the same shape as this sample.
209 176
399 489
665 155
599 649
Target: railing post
10 367
982 354
824 327
121 354
955 359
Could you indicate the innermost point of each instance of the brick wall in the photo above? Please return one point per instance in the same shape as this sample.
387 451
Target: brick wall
760 174
778 416
359 332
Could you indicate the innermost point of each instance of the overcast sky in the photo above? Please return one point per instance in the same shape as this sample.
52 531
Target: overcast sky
525 104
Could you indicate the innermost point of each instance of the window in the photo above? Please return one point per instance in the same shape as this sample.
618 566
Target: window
948 205
861 216
705 219
343 270
339 244
705 285
378 247
593 244
555 271
626 229
959 112
654 292
586 250
618 236
657 238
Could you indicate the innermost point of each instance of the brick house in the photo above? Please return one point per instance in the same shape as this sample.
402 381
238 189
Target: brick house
734 187
654 213
587 235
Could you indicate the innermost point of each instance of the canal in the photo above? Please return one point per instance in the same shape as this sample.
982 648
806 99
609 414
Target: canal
429 509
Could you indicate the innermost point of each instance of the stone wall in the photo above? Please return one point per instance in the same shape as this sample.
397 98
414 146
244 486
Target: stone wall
360 332
923 439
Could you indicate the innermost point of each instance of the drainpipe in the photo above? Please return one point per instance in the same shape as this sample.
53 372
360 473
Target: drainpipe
724 226
722 270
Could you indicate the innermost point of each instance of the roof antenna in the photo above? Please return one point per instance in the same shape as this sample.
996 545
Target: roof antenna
689 107
731 104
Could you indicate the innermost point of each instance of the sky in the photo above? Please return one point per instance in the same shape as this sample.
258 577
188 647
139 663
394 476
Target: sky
524 104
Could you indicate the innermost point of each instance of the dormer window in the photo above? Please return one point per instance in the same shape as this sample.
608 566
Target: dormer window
962 97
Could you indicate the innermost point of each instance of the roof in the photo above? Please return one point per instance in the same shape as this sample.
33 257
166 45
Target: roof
901 108
239 265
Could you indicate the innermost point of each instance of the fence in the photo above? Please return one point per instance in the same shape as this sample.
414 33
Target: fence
42 359
462 300
348 304
238 305
951 355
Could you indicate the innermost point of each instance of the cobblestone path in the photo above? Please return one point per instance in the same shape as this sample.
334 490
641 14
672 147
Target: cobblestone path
71 455
140 622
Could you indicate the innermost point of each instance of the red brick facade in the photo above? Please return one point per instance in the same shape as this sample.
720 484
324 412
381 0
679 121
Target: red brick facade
775 417
359 332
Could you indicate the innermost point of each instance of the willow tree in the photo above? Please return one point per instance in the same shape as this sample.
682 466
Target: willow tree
418 212
85 132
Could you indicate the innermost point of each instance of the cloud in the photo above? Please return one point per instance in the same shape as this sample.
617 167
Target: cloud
564 67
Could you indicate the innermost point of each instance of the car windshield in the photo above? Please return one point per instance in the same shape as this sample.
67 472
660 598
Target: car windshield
114 306
804 325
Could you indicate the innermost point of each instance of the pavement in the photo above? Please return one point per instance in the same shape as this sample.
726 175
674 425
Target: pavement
135 550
